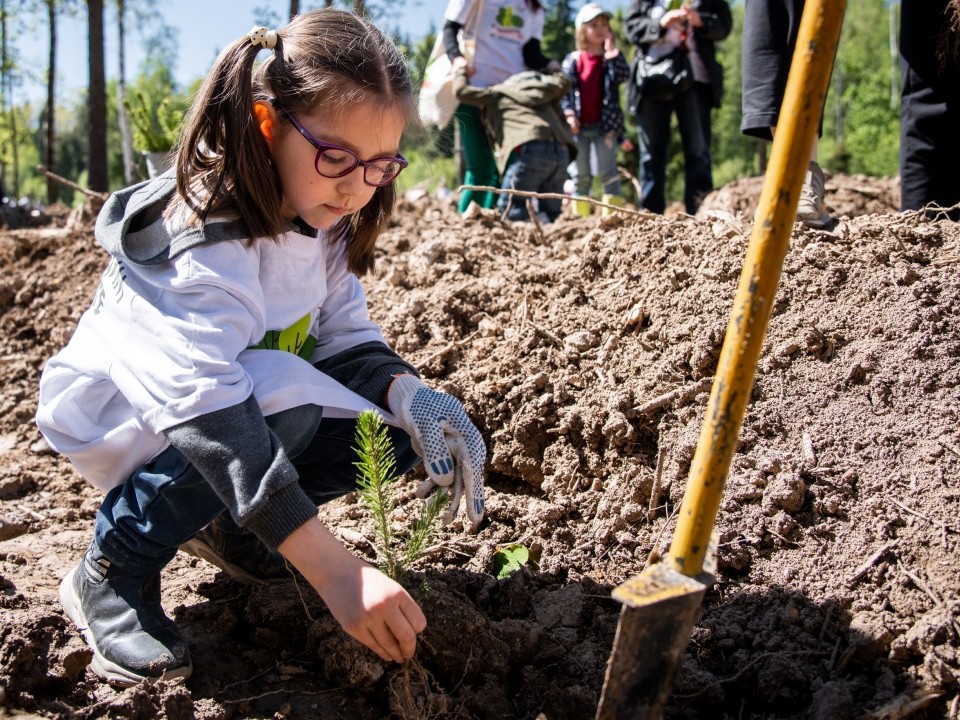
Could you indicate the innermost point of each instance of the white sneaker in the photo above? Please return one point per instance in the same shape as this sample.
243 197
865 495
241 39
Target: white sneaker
810 208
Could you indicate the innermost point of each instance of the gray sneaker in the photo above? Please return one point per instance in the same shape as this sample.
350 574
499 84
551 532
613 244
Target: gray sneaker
239 553
810 209
121 619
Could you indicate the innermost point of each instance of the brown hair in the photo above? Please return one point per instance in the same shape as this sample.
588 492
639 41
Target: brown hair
580 37
323 58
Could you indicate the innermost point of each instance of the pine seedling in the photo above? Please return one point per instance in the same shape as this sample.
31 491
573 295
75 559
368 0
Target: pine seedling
376 473
424 527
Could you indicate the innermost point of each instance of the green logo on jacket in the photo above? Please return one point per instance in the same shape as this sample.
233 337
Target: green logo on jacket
295 339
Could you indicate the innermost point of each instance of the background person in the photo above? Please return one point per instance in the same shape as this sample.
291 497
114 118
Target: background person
507 43
529 134
769 37
929 105
592 107
695 27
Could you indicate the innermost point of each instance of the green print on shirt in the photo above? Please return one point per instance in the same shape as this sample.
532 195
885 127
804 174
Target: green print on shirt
506 18
113 277
295 339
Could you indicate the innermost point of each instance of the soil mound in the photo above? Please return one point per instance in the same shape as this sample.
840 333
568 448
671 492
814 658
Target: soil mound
585 352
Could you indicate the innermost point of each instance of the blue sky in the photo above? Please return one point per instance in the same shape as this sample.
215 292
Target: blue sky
204 27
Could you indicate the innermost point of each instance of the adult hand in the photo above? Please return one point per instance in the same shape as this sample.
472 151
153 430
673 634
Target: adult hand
452 449
460 63
574 124
693 17
673 18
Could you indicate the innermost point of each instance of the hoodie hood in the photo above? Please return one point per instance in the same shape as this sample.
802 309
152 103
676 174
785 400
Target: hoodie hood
131 225
533 89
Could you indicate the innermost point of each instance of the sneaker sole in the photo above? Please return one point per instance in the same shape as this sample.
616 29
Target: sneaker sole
200 549
817 223
101 666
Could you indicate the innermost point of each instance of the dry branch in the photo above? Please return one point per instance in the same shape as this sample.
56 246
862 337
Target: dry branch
870 562
71 184
682 395
557 196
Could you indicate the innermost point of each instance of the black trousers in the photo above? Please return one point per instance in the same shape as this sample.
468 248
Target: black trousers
769 37
929 110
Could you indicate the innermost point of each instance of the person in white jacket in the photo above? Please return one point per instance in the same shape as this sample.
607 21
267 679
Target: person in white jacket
211 388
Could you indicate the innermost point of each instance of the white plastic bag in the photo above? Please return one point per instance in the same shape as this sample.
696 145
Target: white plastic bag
436 101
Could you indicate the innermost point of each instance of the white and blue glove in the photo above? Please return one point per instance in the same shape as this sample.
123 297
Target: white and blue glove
452 449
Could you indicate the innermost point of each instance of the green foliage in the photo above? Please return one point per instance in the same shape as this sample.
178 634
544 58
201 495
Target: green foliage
507 560
861 119
424 526
861 115
376 476
861 122
558 31
155 124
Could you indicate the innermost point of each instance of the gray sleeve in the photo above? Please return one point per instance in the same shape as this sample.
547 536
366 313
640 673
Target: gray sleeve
246 465
367 369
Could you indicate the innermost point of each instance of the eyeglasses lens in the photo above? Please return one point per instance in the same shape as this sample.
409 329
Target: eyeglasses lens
334 163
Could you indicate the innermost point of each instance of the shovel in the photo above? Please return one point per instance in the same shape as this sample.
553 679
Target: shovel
661 604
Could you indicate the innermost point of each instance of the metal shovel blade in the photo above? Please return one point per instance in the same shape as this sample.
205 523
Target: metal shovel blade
660 606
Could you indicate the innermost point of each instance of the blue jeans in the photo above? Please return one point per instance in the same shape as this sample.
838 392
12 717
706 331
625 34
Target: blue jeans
593 138
142 523
535 166
653 120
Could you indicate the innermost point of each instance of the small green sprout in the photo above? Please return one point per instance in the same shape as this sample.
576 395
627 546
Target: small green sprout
507 560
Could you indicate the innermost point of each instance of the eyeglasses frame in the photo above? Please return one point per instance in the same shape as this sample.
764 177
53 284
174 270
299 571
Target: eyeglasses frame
323 146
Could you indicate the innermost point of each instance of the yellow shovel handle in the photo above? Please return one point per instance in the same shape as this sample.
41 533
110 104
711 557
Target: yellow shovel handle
799 119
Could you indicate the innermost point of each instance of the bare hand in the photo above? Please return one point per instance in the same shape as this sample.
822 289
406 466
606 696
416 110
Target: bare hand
693 17
574 124
609 48
376 611
368 605
672 18
461 62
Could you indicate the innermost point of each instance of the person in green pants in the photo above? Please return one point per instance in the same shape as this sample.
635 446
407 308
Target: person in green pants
506 41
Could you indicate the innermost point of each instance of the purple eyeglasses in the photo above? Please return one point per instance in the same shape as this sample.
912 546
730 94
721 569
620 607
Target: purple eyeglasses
333 161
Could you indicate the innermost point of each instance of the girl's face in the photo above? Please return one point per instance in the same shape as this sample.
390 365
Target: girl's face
369 129
597 31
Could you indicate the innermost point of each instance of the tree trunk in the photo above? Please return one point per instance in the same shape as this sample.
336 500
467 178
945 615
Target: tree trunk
3 90
97 100
6 77
126 138
51 155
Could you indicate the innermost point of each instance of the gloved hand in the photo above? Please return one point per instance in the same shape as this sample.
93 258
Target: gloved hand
452 449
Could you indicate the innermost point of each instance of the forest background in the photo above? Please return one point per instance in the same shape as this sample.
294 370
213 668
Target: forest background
92 138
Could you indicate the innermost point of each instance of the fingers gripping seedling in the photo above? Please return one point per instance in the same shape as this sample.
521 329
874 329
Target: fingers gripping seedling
452 449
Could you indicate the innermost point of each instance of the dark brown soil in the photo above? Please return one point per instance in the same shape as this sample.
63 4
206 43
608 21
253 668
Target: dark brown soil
837 590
